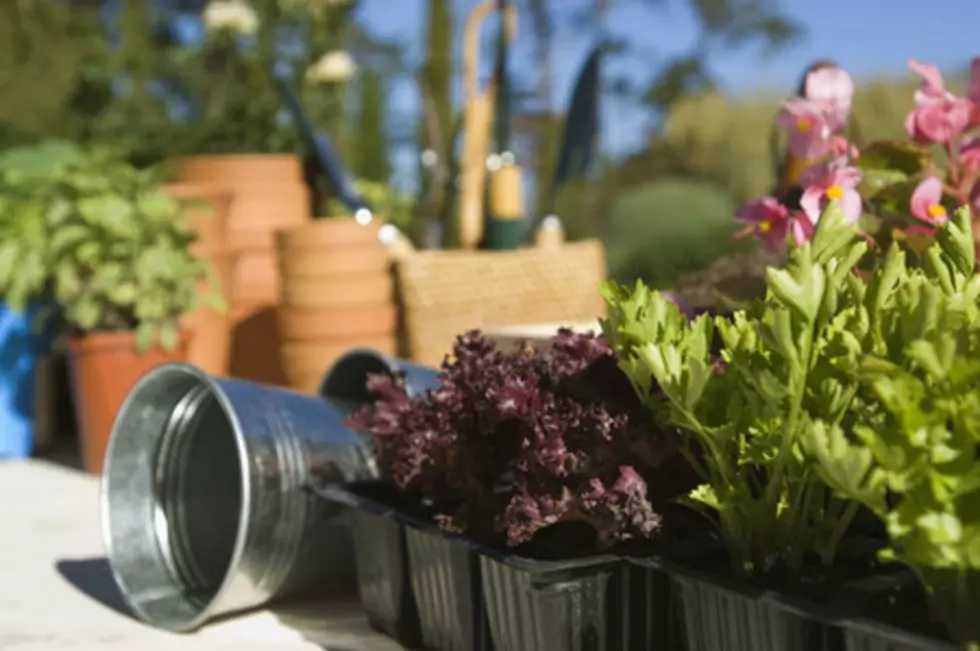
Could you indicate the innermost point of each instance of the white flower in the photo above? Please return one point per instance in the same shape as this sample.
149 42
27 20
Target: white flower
332 67
230 16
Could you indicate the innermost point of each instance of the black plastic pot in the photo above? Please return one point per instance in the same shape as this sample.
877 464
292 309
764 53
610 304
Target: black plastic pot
382 562
657 611
445 575
554 605
722 615
867 635
601 603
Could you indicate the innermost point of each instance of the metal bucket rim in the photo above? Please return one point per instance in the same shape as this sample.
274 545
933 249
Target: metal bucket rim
215 391
391 363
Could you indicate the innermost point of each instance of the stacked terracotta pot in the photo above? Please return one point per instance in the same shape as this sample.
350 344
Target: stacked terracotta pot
270 194
336 294
210 345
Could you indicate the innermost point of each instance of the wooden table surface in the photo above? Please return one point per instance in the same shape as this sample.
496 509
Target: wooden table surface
56 591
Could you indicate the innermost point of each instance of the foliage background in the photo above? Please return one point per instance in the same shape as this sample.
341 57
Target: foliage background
663 212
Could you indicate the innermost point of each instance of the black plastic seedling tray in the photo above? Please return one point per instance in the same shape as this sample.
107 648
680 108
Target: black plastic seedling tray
417 583
728 615
382 563
555 605
868 635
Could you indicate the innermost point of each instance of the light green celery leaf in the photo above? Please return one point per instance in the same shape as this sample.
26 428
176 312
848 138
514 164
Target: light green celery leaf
847 468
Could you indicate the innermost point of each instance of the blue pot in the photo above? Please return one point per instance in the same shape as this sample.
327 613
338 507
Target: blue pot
20 344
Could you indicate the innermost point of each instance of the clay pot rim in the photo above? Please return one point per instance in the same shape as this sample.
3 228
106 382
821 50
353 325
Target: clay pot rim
198 190
101 340
238 158
332 230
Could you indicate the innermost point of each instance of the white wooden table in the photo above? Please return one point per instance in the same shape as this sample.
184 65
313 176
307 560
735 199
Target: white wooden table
56 592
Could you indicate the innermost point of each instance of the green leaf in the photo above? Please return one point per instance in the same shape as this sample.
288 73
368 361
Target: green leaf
956 240
902 156
874 181
169 337
145 336
832 234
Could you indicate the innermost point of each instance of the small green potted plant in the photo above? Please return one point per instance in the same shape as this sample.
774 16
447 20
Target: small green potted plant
118 266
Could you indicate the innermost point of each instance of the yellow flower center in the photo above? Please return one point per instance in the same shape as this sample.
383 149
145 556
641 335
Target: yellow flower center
936 211
765 227
834 192
803 124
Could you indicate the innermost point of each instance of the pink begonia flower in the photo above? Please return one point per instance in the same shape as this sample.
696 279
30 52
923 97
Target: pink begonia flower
809 131
832 87
973 91
970 153
840 146
938 115
769 218
824 182
927 202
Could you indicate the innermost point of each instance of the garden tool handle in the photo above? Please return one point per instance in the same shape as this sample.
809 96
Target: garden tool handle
471 42
476 134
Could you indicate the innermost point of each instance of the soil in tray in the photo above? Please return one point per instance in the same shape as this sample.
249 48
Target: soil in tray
816 583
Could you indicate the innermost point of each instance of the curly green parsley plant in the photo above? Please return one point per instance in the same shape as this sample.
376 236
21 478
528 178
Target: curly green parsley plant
790 359
911 454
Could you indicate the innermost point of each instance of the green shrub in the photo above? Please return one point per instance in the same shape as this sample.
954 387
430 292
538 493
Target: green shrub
665 229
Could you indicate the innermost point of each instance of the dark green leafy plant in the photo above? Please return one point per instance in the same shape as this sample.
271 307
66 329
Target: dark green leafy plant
911 454
102 241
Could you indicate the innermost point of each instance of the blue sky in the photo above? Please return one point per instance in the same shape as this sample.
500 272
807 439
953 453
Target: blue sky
868 37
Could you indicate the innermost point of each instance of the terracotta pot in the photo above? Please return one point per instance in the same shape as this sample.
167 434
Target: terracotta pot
332 233
337 291
270 194
211 226
210 347
336 294
255 345
241 168
255 278
305 363
104 367
327 323
315 262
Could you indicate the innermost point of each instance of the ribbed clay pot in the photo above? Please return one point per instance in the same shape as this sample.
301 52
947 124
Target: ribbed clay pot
210 347
104 367
270 194
337 294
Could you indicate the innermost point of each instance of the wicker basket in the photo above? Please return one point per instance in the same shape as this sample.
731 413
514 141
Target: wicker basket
445 293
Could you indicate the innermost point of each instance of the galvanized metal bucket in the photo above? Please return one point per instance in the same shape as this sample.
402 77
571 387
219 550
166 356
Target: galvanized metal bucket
206 506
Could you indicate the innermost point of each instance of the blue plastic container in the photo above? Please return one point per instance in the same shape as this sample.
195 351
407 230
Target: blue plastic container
20 344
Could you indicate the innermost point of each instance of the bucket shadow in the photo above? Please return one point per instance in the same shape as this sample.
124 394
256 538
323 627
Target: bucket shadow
93 577
334 624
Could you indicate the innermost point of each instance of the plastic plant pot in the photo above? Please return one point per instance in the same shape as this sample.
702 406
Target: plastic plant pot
867 635
724 615
381 557
573 605
445 574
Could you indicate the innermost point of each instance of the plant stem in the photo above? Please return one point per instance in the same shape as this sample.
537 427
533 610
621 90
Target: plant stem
841 526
